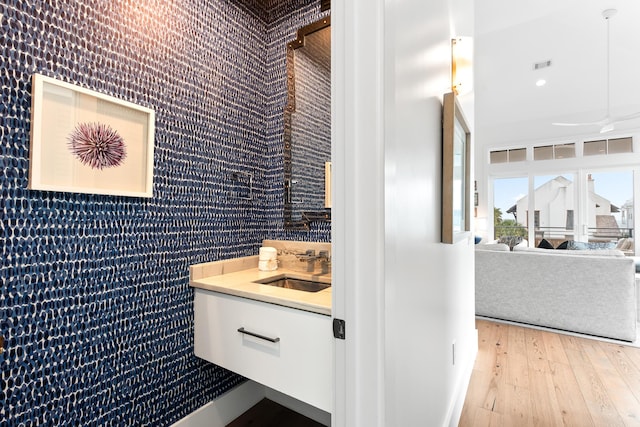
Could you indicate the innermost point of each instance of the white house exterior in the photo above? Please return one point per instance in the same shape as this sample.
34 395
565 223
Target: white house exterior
626 212
555 209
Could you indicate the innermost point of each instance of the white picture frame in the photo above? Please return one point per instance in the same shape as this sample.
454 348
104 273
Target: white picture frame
66 122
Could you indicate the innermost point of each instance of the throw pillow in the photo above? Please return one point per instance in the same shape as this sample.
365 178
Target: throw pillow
510 241
544 244
625 244
581 246
518 248
563 245
524 243
577 246
602 245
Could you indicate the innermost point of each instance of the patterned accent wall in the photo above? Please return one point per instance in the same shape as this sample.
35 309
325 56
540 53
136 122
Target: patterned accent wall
95 306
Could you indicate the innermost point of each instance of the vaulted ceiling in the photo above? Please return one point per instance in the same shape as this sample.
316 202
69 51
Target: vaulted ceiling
510 37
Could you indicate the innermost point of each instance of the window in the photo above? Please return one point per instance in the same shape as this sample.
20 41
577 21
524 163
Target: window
599 210
610 207
554 195
569 225
551 152
518 155
593 148
501 156
508 156
620 145
608 146
508 195
595 206
564 151
543 153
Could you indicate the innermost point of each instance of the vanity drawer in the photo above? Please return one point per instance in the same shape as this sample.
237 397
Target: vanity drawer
294 356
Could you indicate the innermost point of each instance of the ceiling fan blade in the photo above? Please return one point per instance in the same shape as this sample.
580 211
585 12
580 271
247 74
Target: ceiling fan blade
602 122
606 124
625 118
607 128
577 124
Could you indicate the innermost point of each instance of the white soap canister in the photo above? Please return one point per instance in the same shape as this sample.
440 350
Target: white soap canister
267 259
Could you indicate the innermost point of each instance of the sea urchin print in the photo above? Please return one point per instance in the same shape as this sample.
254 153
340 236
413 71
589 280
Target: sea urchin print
97 145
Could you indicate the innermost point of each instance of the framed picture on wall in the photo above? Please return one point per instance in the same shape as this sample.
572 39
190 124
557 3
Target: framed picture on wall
83 141
456 179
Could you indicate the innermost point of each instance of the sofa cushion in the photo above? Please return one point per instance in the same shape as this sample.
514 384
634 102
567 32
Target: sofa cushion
592 252
500 247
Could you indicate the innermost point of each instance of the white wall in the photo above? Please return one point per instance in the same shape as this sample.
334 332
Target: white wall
406 297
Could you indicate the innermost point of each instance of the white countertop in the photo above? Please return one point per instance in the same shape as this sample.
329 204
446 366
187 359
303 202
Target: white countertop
241 284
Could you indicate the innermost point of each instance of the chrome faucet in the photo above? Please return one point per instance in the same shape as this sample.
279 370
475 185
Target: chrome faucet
310 257
325 259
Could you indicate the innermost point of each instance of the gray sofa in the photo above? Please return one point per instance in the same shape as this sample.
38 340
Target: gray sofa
591 292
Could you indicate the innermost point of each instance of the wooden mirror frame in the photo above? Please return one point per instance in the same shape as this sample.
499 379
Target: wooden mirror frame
290 108
456 172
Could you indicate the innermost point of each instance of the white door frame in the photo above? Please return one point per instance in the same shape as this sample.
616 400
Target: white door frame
358 210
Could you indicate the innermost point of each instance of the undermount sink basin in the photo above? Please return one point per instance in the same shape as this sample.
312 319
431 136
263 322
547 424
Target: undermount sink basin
293 283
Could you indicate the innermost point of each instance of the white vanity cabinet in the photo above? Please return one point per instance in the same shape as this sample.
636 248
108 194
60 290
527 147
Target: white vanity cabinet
292 353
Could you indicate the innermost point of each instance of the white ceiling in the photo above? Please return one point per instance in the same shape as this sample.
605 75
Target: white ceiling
512 35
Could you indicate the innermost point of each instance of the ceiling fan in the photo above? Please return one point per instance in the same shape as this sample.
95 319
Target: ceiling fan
607 123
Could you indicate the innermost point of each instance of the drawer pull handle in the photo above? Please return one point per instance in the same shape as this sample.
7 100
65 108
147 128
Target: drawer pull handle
262 337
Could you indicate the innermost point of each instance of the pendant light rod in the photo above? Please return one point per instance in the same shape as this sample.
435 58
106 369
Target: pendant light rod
608 14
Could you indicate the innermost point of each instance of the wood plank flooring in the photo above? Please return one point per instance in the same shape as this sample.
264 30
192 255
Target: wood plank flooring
528 377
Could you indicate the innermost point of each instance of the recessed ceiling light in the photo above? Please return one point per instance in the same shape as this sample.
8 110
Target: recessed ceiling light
541 82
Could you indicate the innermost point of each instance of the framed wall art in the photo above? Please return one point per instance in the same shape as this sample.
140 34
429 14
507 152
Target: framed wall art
456 180
83 141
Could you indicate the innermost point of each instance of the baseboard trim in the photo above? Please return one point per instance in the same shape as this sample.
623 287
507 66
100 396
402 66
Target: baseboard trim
455 410
226 408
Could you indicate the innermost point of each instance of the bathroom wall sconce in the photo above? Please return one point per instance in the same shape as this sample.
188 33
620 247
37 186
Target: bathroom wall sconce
462 65
327 185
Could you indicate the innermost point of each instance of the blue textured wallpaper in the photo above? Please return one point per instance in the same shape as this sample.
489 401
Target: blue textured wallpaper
95 306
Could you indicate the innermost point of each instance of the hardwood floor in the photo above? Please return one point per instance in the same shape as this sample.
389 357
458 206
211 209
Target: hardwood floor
528 377
267 413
